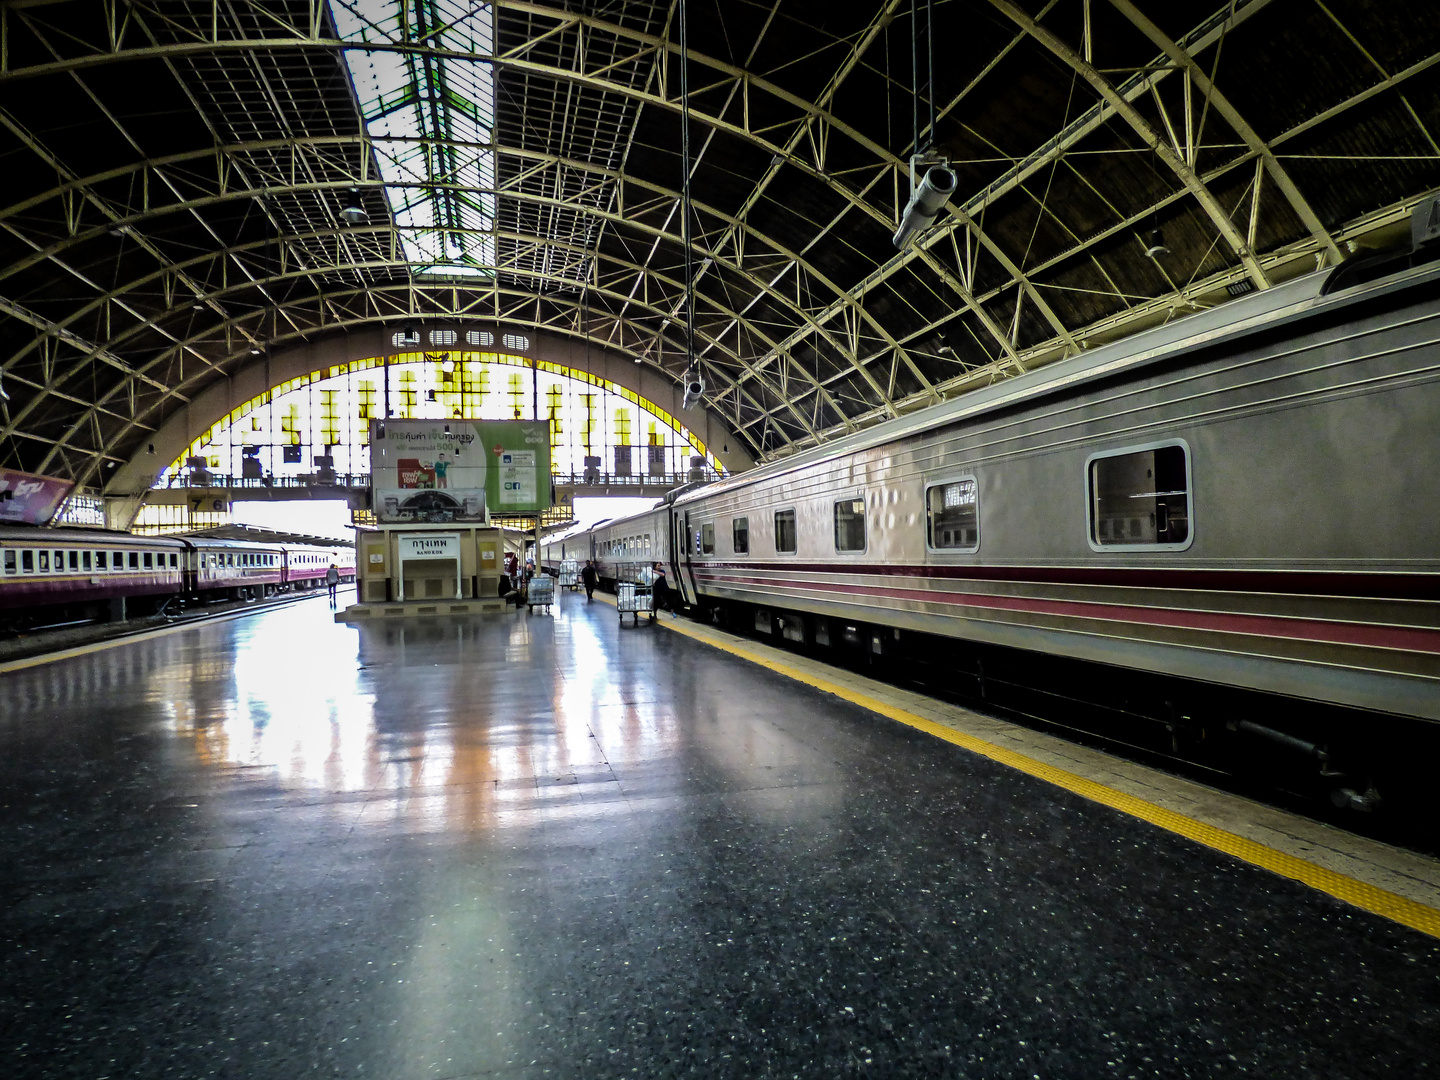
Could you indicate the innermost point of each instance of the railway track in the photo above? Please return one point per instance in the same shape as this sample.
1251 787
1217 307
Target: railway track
56 637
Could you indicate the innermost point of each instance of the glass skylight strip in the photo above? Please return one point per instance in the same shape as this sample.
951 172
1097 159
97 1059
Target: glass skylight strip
431 120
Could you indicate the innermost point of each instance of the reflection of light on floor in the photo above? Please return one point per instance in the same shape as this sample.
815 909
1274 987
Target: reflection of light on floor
297 707
591 699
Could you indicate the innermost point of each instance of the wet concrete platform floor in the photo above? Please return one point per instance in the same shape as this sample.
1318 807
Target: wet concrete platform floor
547 846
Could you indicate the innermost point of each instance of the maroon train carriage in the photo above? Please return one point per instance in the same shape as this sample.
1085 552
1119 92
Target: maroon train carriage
306 566
51 576
234 569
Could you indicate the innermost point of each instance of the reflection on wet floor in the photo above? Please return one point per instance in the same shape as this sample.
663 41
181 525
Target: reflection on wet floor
544 845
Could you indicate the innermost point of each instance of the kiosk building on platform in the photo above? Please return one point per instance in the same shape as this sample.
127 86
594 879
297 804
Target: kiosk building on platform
434 548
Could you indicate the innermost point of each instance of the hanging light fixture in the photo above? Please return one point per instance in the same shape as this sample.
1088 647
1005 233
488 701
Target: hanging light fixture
1155 244
353 212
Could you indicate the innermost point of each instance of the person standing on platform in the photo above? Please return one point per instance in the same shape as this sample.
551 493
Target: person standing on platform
661 590
332 582
588 578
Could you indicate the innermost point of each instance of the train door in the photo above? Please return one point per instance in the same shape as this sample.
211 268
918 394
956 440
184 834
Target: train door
680 559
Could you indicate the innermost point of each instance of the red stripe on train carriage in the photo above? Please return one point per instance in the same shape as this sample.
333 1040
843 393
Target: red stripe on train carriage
1382 637
1397 586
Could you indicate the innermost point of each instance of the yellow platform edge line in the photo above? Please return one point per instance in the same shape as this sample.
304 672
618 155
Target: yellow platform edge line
1360 894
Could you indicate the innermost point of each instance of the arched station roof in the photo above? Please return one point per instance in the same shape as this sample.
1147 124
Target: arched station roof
175 172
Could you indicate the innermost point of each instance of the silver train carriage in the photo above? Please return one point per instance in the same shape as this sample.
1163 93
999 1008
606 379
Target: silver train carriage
1245 497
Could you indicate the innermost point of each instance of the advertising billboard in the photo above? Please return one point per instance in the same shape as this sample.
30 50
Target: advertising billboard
458 470
33 500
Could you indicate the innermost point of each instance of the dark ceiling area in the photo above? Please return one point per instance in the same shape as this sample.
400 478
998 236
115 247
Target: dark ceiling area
176 176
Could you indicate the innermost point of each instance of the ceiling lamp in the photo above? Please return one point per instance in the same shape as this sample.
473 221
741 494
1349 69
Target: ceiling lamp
927 199
1155 244
353 212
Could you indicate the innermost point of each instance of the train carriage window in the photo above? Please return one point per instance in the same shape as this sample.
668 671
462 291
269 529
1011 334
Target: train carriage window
44 562
1140 498
850 525
27 563
134 560
11 563
117 561
100 560
740 535
707 538
174 560
85 560
149 561
952 515
785 534
73 559
59 562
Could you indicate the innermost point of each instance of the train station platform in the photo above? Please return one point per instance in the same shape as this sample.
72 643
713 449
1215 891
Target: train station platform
549 845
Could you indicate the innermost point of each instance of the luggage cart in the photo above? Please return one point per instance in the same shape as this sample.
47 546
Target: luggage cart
635 599
569 574
541 592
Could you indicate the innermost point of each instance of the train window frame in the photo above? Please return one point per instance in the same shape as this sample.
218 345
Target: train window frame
134 560
27 561
740 535
85 561
946 481
1086 481
101 561
858 497
148 560
12 561
794 531
707 538
72 560
174 561
58 563
117 561
42 564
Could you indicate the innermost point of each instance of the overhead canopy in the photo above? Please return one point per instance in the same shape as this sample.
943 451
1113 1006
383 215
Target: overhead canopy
190 184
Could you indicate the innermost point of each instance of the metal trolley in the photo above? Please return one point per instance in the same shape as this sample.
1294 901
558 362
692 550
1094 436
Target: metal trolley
540 592
569 574
635 599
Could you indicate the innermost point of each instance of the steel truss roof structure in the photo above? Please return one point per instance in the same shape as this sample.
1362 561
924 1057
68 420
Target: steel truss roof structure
175 173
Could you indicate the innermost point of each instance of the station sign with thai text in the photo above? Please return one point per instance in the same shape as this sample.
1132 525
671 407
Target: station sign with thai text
430 546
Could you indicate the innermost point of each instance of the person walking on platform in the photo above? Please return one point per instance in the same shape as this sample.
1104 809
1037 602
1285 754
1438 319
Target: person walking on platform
332 582
587 578
660 588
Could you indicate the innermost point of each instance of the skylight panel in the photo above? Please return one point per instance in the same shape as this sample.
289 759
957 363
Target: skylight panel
430 116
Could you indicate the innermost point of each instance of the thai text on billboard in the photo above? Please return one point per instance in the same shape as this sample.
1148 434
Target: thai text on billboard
29 499
458 470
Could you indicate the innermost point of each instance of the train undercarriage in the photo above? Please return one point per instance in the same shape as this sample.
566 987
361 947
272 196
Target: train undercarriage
1369 772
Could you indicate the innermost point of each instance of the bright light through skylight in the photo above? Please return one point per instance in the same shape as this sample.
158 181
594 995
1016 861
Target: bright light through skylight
430 118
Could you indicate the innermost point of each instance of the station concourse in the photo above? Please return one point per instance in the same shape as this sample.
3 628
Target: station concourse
1073 359
548 845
